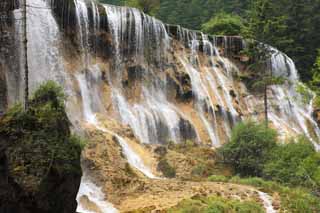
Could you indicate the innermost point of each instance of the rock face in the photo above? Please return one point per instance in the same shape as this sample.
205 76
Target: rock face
56 193
7 40
40 168
316 116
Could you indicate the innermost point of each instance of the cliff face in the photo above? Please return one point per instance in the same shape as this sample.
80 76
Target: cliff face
7 42
39 159
164 84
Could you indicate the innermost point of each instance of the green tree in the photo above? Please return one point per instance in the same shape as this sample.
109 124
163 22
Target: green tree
265 28
224 24
249 148
150 7
315 82
295 163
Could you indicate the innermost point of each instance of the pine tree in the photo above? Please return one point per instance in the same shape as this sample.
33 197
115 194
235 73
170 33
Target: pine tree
265 28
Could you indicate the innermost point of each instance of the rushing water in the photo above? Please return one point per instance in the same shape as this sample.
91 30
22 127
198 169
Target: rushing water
96 198
90 117
267 202
144 56
143 42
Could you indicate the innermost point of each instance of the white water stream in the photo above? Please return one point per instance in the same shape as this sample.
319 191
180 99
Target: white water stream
96 198
154 118
267 202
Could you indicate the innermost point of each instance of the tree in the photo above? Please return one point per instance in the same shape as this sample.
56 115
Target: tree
249 148
315 82
264 28
25 44
295 164
224 24
150 7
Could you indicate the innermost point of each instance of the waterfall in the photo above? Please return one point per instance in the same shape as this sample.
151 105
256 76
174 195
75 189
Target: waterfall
155 119
127 66
291 111
267 202
90 117
144 62
96 200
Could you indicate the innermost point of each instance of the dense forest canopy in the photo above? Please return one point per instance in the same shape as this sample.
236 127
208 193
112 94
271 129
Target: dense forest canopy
293 25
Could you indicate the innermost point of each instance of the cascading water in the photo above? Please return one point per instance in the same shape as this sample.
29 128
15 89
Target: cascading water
292 109
165 87
96 200
267 202
154 120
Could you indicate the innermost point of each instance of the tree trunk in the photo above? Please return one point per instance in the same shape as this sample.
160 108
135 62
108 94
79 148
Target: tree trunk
26 68
266 105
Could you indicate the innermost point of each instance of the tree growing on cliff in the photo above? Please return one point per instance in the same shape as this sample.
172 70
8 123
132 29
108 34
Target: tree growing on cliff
264 28
315 83
25 45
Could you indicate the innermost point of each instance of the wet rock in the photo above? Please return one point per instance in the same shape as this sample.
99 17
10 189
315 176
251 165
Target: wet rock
187 130
161 151
316 116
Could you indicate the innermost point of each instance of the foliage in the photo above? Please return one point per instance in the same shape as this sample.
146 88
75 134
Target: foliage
315 82
305 92
203 169
166 169
218 178
215 204
294 200
150 7
224 24
295 164
39 139
249 148
51 93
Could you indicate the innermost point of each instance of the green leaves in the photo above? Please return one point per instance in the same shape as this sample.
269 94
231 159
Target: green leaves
249 148
224 24
39 139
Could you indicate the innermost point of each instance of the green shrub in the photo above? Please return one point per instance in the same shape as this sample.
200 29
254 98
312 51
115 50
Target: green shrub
215 204
166 169
224 24
41 135
218 178
294 200
305 93
288 164
249 148
49 92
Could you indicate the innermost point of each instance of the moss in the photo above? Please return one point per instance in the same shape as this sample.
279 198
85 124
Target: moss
166 169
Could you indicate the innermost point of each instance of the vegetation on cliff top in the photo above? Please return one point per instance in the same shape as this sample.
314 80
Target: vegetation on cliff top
39 141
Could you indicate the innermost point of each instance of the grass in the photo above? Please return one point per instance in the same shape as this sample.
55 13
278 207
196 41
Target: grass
293 200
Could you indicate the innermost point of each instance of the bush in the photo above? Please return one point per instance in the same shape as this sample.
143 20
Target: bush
249 148
224 24
166 169
294 200
293 164
216 205
41 135
218 178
